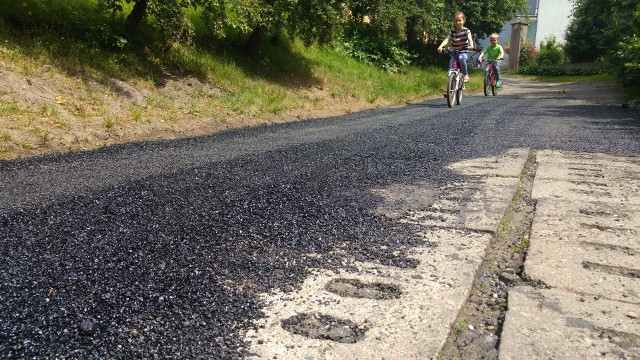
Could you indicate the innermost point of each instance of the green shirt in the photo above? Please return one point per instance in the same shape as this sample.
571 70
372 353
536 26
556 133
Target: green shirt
492 52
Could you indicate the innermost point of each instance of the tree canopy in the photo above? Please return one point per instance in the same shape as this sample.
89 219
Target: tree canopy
373 30
607 29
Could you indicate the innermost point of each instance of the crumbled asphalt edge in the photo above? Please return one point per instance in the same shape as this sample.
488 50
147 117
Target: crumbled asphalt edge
476 331
171 265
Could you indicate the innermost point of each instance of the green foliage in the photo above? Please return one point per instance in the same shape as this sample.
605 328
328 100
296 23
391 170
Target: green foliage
625 57
585 38
550 53
383 53
528 54
380 32
608 29
486 17
521 246
165 17
71 17
317 20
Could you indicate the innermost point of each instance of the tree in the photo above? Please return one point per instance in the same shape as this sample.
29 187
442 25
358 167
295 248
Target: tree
607 29
166 16
485 17
585 39
624 52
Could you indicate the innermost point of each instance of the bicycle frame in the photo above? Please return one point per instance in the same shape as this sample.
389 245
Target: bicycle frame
455 84
490 79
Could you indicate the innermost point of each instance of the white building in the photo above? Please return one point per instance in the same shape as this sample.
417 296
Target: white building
545 18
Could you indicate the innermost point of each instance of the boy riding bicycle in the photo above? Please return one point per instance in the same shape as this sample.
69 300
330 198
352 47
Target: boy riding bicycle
494 53
461 41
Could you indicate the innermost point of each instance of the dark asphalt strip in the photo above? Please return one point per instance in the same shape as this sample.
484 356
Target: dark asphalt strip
160 249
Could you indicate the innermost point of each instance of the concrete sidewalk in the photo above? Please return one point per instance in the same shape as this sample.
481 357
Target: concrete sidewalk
583 256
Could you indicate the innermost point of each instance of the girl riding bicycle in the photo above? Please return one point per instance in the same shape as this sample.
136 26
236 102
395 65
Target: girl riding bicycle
494 53
461 39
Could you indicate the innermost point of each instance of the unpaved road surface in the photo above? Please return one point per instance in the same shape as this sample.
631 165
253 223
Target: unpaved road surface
350 237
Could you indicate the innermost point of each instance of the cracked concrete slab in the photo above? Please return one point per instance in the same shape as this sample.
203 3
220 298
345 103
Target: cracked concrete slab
558 324
583 249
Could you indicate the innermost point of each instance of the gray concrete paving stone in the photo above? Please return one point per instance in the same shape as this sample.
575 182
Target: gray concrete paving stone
584 247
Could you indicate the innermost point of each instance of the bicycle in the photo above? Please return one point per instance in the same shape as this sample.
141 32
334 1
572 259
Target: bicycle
490 79
455 85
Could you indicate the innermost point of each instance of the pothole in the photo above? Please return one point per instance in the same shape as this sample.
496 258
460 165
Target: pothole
620 338
601 246
600 213
397 261
613 270
325 327
607 228
358 289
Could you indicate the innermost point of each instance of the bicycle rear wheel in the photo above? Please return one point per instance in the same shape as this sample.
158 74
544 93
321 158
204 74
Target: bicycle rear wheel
451 90
487 83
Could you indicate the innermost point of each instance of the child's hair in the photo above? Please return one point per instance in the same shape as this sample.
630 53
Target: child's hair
464 18
494 36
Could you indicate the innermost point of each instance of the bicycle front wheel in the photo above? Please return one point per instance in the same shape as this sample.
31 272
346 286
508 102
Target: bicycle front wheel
460 84
451 90
487 83
494 88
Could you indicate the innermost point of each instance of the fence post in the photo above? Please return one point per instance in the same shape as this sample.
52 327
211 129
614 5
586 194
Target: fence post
518 37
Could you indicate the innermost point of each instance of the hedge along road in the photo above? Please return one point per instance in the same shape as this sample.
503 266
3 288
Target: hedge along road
179 248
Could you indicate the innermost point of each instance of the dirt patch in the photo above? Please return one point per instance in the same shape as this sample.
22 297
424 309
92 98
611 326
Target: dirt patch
47 112
581 92
476 331
319 326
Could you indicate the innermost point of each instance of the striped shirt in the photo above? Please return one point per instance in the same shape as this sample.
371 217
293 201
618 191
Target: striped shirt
459 39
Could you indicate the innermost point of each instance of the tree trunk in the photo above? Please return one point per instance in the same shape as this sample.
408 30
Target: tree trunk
137 14
255 40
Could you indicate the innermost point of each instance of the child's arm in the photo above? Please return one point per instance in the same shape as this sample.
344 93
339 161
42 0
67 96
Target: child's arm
444 42
470 40
480 56
501 56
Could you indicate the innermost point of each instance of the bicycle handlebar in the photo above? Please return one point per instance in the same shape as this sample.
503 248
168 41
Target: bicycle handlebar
449 50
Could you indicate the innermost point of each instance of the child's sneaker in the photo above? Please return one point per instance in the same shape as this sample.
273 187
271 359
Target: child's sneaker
498 83
465 78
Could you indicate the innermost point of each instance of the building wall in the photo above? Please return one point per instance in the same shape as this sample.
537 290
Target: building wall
554 17
545 18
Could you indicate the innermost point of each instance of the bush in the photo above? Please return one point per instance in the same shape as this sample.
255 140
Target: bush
550 52
385 53
528 54
625 60
625 57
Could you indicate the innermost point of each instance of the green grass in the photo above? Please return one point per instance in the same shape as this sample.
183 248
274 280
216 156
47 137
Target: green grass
41 134
7 109
521 246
